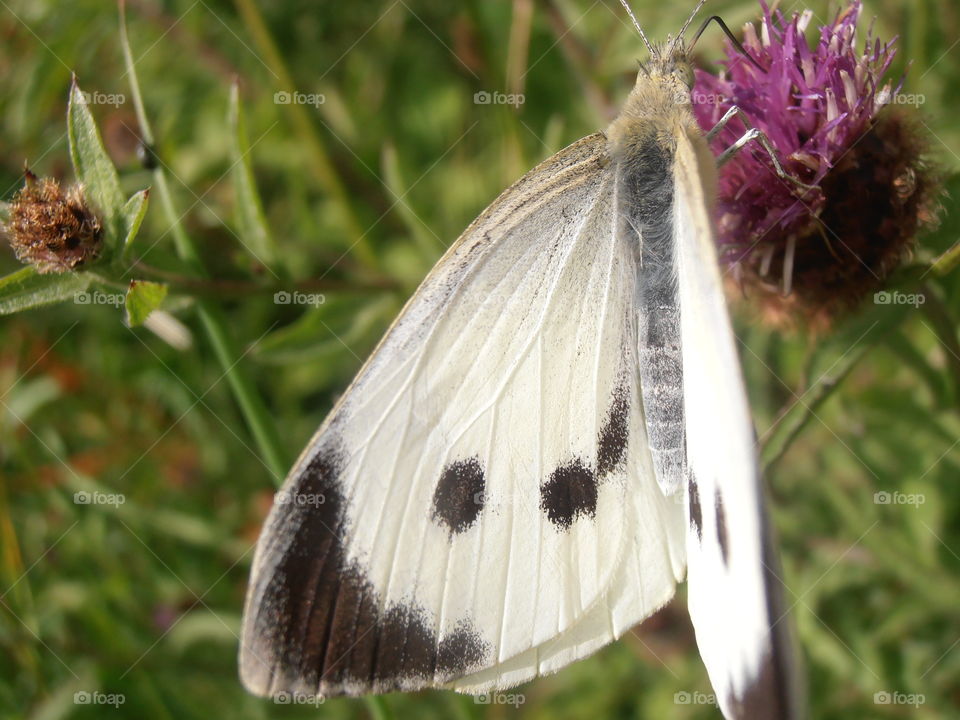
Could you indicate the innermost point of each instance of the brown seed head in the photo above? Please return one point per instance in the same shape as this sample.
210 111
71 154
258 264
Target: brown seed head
879 198
52 229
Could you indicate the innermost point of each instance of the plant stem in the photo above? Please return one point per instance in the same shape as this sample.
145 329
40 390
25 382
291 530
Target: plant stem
947 262
945 329
795 420
378 707
251 405
303 126
244 288
790 423
579 58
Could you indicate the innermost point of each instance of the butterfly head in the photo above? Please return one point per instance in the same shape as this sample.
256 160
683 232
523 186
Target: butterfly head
661 98
671 63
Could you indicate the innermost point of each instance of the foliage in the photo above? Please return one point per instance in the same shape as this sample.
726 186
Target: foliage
134 476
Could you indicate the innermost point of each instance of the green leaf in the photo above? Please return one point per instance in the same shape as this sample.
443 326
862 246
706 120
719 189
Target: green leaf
142 299
27 289
4 212
93 166
132 215
27 397
201 628
428 243
341 328
251 221
912 357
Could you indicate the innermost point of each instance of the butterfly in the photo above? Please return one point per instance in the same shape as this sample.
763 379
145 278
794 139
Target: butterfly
551 435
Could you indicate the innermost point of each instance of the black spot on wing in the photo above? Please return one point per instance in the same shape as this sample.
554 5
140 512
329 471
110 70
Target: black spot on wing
407 646
612 442
458 499
316 623
693 497
570 493
722 537
460 650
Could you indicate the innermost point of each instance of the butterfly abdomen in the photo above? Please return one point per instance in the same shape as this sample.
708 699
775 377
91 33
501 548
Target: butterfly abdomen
645 160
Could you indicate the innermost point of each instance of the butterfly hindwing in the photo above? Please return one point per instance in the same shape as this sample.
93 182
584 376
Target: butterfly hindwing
734 592
480 506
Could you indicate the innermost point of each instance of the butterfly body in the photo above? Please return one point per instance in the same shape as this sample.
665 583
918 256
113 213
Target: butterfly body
642 142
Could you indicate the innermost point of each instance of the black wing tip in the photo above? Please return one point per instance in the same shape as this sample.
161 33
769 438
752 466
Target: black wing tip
314 623
771 696
777 692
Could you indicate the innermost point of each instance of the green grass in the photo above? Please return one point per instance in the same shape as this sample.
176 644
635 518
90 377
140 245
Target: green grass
358 197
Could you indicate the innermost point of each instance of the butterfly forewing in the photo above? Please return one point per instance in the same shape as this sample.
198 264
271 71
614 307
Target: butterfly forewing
480 506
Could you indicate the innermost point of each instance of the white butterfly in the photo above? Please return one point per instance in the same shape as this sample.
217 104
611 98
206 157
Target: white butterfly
553 431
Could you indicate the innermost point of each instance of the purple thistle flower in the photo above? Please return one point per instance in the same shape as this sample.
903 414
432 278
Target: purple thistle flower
817 251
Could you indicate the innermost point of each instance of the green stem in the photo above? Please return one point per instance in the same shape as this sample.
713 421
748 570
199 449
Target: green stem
791 422
947 262
946 330
244 288
305 129
378 707
251 405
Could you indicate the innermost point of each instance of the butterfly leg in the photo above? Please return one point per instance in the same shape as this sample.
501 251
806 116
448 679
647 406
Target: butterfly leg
750 135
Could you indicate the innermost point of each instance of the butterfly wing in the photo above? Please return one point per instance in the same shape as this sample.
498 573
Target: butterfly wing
479 507
734 592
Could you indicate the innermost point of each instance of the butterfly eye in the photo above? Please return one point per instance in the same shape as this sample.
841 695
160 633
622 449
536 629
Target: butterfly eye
689 77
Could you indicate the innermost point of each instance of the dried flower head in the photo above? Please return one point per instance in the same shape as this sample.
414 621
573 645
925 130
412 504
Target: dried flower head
814 254
53 230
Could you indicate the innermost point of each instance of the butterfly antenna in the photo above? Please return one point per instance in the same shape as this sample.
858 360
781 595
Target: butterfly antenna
730 36
686 25
637 26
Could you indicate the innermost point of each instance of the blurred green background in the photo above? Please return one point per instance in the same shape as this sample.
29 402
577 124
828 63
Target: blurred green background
361 195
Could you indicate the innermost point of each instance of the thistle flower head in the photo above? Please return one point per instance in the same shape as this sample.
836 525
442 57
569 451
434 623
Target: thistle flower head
52 229
815 252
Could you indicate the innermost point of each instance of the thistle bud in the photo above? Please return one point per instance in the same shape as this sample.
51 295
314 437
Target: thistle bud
52 229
